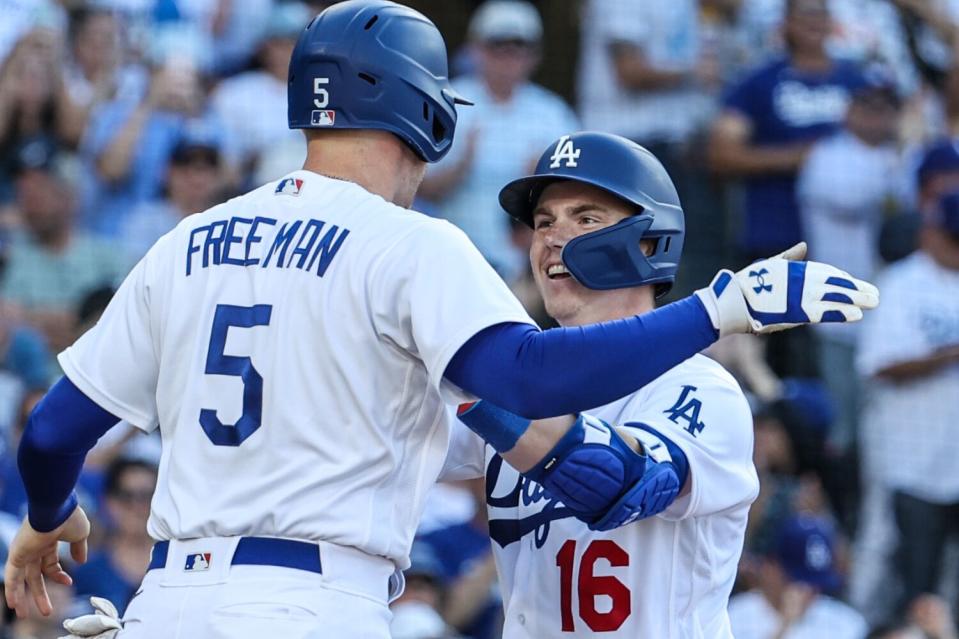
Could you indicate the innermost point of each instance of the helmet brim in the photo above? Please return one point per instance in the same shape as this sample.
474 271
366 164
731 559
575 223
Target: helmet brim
520 197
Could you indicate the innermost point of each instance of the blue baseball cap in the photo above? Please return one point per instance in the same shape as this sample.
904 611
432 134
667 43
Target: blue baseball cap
941 157
805 552
878 83
947 214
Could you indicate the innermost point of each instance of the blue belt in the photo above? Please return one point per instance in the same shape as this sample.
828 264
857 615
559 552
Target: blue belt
259 551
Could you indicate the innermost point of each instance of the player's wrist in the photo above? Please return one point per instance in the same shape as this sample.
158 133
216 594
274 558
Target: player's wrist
45 519
725 304
498 427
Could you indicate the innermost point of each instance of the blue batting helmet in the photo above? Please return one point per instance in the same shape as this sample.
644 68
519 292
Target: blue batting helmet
374 64
611 257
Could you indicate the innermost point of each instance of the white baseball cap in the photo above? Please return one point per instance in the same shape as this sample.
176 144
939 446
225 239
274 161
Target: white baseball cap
506 20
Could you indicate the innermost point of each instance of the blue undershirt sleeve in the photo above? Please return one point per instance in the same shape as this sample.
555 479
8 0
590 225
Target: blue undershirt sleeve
539 374
60 432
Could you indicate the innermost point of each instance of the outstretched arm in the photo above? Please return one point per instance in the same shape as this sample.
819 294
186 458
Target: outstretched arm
62 428
540 374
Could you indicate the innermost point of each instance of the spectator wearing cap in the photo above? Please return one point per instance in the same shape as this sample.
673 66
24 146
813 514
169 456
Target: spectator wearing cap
793 598
50 264
473 604
129 142
115 571
501 136
416 612
849 182
909 354
252 105
937 174
194 183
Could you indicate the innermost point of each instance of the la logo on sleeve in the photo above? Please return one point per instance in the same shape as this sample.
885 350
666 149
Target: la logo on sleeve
687 408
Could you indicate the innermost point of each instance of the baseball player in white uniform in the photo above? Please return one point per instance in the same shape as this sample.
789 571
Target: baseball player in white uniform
296 346
664 565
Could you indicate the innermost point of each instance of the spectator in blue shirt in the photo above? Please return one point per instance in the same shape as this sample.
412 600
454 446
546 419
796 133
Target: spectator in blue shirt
771 119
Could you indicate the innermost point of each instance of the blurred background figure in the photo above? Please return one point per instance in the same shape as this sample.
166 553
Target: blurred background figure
909 352
770 119
252 105
34 101
194 183
52 263
416 613
768 123
472 603
792 600
97 69
848 184
116 569
646 72
503 134
129 142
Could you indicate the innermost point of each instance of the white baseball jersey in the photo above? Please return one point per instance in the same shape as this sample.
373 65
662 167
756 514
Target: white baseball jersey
291 345
668 576
919 315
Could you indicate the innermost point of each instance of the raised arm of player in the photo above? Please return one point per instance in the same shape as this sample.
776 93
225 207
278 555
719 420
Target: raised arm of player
541 374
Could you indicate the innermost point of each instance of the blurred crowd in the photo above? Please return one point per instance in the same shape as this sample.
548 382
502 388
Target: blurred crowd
830 121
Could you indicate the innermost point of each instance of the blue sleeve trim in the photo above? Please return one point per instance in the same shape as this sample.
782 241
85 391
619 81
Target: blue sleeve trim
680 462
62 428
540 374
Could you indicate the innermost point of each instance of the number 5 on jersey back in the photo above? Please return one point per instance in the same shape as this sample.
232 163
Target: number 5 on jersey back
218 363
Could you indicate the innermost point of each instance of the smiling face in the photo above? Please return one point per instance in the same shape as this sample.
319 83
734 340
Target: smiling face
567 210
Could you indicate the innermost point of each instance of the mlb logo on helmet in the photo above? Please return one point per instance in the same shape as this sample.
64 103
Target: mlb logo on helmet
323 117
197 561
289 186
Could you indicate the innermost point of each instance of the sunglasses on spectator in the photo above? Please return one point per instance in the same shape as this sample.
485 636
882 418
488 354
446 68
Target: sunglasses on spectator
133 496
510 46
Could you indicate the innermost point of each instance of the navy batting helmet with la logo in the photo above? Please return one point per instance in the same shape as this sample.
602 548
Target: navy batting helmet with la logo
611 257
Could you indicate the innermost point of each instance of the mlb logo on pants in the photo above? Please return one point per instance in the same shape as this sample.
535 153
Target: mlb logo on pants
197 561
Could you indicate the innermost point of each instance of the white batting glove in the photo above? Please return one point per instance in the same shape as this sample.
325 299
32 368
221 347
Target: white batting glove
105 624
781 292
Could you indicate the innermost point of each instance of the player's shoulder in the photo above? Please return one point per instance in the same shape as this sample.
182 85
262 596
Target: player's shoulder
703 372
699 387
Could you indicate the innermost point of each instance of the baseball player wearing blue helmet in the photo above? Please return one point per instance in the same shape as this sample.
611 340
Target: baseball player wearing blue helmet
656 484
300 345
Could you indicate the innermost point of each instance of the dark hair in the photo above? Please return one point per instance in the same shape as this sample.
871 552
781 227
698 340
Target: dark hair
79 18
94 303
117 468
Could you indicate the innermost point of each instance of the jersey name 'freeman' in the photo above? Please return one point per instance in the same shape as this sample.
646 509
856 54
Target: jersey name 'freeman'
234 242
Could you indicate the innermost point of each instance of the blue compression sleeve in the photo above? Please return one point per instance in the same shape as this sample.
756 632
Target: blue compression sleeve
540 374
62 428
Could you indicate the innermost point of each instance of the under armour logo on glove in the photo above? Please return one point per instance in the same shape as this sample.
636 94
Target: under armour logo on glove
799 293
760 276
